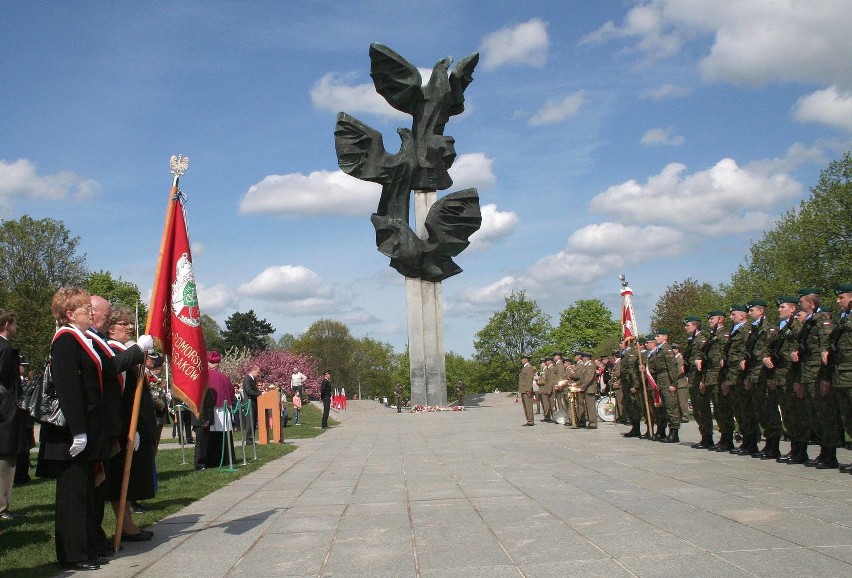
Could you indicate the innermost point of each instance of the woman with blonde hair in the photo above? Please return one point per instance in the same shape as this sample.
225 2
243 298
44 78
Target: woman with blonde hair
74 453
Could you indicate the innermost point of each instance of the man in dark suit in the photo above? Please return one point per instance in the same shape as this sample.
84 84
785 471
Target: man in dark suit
13 433
252 392
325 394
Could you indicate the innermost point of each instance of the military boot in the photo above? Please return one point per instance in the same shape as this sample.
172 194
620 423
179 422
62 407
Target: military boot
829 460
672 438
726 443
772 451
634 432
751 449
801 455
742 449
814 462
766 445
786 457
846 469
659 434
702 444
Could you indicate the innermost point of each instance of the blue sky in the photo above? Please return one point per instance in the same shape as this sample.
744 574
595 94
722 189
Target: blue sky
656 139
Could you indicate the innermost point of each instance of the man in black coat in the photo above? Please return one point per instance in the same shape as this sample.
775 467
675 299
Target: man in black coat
13 422
252 392
325 394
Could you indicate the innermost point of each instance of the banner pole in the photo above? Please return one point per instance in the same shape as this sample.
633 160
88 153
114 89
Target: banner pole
137 396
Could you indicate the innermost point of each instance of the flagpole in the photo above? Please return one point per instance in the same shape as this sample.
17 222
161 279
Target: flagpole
178 165
648 414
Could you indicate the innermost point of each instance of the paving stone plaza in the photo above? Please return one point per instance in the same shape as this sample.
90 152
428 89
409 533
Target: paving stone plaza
474 494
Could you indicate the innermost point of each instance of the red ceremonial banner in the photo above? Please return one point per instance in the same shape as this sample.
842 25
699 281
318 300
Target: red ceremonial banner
175 320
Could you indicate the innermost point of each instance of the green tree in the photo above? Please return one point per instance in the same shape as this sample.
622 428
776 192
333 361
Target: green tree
519 327
460 368
212 334
334 348
246 330
586 325
117 291
810 246
374 364
36 258
688 297
286 341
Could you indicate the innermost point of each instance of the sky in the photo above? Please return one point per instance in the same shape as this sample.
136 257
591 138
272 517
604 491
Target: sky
656 139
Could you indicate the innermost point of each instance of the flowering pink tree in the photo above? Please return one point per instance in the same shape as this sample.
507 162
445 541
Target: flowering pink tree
276 367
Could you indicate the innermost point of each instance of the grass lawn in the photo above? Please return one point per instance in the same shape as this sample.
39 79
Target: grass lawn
27 547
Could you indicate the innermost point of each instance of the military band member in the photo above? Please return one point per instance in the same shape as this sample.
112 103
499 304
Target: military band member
525 383
546 386
682 384
841 359
560 370
693 362
814 341
664 368
586 382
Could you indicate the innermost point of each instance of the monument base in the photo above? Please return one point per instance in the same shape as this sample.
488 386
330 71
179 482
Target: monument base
424 300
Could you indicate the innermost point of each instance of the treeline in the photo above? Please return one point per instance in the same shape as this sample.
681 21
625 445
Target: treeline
810 246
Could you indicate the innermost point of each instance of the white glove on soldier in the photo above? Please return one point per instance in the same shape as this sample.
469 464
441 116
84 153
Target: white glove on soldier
136 441
78 445
145 343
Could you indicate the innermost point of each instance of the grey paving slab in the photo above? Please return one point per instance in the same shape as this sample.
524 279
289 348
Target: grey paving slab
472 494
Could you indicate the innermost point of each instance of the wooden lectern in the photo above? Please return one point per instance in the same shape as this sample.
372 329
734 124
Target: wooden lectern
269 416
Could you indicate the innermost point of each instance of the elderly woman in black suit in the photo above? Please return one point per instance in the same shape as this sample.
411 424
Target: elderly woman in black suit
74 454
142 485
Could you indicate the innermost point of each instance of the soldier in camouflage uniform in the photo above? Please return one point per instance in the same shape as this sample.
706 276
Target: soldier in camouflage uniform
841 359
764 342
651 404
631 385
812 355
711 388
783 372
664 367
693 363
836 386
735 373
756 402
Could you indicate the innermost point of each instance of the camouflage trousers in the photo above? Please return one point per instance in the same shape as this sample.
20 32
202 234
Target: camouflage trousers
723 408
671 407
700 407
766 404
836 403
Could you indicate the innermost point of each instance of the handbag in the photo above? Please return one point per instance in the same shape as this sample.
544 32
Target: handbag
42 403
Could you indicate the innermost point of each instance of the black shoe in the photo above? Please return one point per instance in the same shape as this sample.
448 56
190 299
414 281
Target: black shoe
81 566
672 438
816 461
7 515
846 469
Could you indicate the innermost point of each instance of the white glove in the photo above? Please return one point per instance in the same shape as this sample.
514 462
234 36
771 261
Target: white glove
136 441
145 343
78 445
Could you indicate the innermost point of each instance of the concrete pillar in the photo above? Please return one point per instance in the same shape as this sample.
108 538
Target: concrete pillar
424 300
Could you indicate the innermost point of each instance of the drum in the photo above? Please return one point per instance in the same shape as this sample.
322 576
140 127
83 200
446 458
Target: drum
606 408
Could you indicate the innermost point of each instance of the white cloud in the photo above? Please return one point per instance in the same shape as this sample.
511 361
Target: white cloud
196 249
216 299
661 136
21 179
666 91
472 170
723 199
285 282
753 42
496 225
647 23
524 44
828 107
319 193
558 110
490 294
332 92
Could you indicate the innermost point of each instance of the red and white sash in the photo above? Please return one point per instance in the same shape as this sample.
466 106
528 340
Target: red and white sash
121 347
87 346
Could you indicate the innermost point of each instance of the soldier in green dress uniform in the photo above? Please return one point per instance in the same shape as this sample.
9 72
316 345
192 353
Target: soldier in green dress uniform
664 367
841 360
735 373
693 363
711 388
783 372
